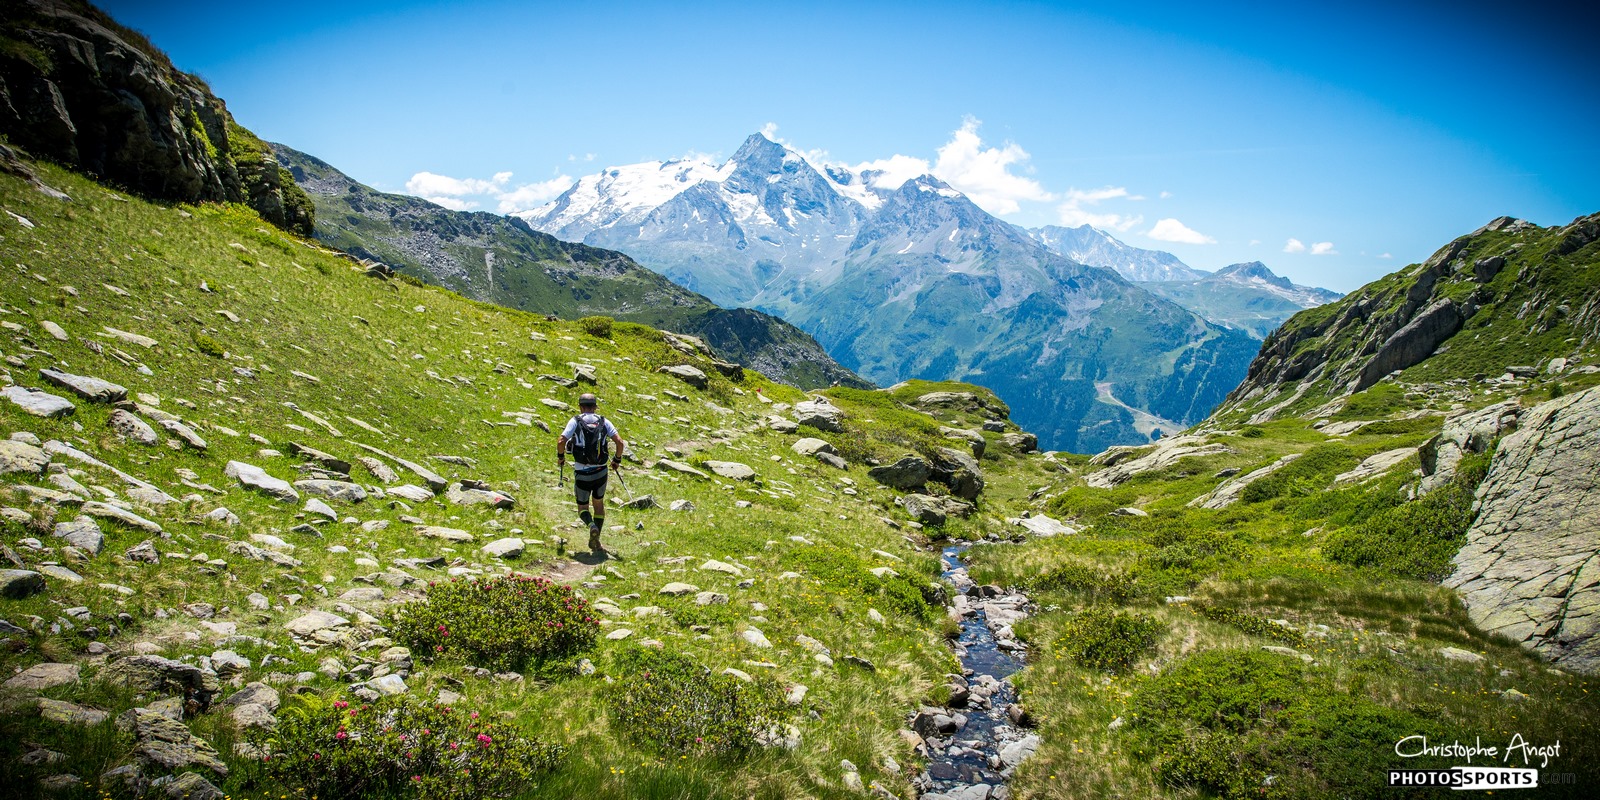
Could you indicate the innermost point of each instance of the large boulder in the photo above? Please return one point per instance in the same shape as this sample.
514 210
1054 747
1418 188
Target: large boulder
20 583
1464 433
935 511
151 673
959 471
21 457
819 414
167 743
1528 570
907 474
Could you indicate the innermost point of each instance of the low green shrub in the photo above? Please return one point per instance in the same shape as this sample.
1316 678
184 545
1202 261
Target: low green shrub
499 623
1303 476
208 345
841 569
599 327
672 703
410 280
1224 720
1419 538
1093 581
398 746
1252 624
1113 641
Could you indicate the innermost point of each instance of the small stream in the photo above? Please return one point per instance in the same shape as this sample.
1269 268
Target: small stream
975 742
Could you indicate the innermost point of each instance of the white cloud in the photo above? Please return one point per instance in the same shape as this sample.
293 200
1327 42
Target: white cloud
980 172
984 173
1165 195
1073 214
1254 242
1323 249
1171 230
465 194
532 195
890 172
1294 246
1386 255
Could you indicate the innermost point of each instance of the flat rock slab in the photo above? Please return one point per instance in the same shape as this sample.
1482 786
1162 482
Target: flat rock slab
38 403
679 467
714 565
328 461
448 534
94 390
411 492
677 589
810 446
314 621
1040 525
333 490
505 548
690 375
256 479
1375 465
122 515
732 470
43 676
21 457
321 509
184 433
64 713
461 496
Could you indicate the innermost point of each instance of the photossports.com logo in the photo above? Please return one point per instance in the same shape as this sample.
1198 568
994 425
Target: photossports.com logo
1515 770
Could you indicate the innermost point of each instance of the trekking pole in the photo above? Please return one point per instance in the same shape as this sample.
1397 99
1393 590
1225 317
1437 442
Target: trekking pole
562 471
618 470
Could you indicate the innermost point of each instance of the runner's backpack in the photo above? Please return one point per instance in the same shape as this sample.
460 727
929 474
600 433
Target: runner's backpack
589 444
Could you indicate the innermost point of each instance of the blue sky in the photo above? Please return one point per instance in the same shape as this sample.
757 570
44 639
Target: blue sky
1334 142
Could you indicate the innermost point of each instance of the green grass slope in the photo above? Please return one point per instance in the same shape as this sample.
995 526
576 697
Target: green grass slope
263 340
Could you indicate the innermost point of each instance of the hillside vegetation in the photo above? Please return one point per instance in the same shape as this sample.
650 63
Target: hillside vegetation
275 352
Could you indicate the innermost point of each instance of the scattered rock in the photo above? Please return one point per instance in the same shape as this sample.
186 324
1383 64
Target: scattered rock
38 403
1041 525
21 457
677 589
130 427
94 390
167 743
83 534
64 713
907 474
819 414
344 491
256 479
687 374
678 467
152 673
732 470
810 447
43 676
504 548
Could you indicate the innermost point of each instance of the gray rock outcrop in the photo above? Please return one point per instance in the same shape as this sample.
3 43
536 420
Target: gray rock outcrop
1529 568
1467 432
909 473
1414 342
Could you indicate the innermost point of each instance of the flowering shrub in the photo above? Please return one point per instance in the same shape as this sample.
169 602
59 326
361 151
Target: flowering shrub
499 623
398 746
1100 638
671 702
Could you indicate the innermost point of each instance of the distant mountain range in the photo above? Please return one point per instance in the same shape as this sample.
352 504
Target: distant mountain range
916 281
501 260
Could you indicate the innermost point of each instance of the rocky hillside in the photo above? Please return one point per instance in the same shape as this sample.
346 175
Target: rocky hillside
80 90
1499 304
501 260
231 460
1246 296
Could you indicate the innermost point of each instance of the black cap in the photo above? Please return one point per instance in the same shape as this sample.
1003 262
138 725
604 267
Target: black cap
587 399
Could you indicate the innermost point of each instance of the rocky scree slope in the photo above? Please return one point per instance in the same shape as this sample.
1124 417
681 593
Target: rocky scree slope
229 456
501 260
85 92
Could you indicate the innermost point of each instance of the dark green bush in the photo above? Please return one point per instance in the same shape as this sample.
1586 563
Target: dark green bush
499 623
1252 624
1303 476
1224 720
599 327
672 703
1253 432
1102 639
398 746
410 280
208 345
1417 539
